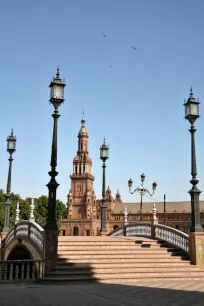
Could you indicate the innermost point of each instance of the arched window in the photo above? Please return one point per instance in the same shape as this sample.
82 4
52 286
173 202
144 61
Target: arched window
75 231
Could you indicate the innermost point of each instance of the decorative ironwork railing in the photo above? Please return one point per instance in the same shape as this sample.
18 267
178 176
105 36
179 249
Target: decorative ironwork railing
25 229
172 236
133 229
21 270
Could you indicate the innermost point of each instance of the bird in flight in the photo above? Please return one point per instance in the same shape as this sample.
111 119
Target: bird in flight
104 35
134 48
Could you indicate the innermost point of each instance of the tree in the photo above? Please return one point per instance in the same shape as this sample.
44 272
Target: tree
40 211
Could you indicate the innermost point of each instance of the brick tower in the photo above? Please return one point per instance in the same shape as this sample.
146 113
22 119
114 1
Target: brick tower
81 198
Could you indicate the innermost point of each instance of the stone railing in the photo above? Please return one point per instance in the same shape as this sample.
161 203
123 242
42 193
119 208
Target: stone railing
25 229
21 270
119 231
155 231
133 229
172 236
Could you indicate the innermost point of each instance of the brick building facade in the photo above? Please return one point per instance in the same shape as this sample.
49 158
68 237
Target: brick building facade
83 217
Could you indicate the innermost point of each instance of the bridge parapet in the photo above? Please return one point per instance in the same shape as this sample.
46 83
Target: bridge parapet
155 231
172 236
24 230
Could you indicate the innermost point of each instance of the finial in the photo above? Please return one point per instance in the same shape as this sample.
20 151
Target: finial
32 206
58 73
104 140
17 213
191 92
83 113
154 212
118 191
125 216
12 132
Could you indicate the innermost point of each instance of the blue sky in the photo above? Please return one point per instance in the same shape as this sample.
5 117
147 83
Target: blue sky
36 36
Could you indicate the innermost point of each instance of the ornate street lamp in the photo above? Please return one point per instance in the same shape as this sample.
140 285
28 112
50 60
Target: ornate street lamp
191 114
103 156
11 148
56 99
142 190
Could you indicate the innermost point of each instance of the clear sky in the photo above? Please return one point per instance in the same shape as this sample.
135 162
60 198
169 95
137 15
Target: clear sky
133 98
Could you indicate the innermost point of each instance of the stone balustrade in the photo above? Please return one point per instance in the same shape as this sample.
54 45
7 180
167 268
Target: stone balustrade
172 236
154 231
21 270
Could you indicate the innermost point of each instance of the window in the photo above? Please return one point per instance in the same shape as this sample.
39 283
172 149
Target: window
87 232
64 233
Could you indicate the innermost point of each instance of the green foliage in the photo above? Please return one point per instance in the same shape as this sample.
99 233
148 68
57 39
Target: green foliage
40 212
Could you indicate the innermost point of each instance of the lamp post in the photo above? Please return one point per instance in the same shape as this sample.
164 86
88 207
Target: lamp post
56 99
11 148
104 155
191 114
142 190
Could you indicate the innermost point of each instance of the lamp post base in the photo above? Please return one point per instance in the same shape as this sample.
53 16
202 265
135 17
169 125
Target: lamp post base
51 244
197 228
103 232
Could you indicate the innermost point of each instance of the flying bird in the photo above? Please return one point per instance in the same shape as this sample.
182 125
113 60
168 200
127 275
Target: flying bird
134 48
104 35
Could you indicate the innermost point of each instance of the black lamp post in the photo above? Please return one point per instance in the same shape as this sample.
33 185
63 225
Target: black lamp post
191 114
11 148
56 99
103 156
142 190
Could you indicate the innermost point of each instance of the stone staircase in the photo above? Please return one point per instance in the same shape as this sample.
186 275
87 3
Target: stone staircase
112 260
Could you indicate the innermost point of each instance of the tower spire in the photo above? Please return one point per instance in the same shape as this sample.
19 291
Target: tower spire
191 92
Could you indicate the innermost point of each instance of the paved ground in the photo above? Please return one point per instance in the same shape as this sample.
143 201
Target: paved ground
162 293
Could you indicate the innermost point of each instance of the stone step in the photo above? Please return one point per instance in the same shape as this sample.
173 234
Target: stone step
149 252
119 270
120 260
124 276
108 240
109 247
97 247
105 265
109 255
94 243
99 238
96 250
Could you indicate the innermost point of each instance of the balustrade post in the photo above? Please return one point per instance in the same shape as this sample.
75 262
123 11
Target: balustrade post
154 221
16 271
22 270
11 272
